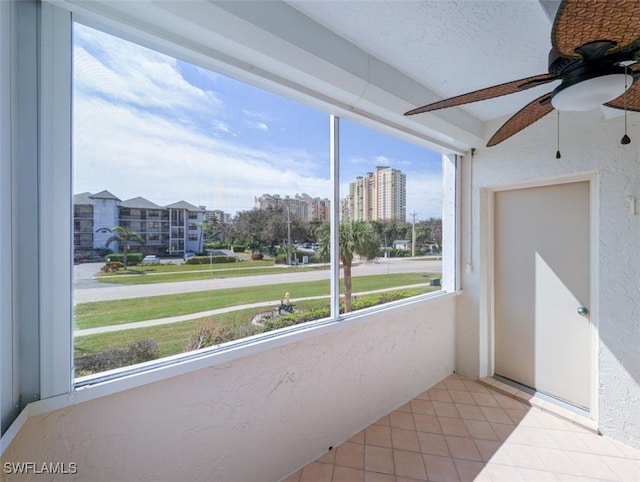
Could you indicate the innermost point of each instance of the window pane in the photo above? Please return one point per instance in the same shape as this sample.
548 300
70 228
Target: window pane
193 193
391 218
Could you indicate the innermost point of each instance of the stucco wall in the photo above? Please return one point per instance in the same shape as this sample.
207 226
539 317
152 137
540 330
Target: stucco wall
258 418
588 142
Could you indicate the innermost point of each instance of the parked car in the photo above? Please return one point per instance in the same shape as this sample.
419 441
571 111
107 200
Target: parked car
188 255
151 259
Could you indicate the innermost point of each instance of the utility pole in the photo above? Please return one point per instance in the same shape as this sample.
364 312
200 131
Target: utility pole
288 234
413 235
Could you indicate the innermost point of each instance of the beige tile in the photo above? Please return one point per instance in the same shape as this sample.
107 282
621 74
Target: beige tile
358 438
295 477
516 414
378 459
469 471
317 472
525 456
532 475
503 431
378 435
427 423
455 384
409 464
462 397
567 441
423 396
598 444
440 395
347 474
485 400
377 477
405 439
424 407
475 387
557 461
446 409
480 430
509 402
433 444
463 448
488 449
454 426
350 455
469 412
401 420
625 469
593 466
440 385
327 458
384 421
440 469
496 415
504 473
404 408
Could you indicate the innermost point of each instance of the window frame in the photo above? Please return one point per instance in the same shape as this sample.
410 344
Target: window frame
47 374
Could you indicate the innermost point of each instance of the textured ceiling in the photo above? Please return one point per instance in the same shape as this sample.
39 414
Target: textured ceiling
450 47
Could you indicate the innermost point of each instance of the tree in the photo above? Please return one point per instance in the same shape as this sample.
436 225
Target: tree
125 239
356 238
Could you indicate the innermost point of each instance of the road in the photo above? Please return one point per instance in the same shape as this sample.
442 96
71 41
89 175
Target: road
87 290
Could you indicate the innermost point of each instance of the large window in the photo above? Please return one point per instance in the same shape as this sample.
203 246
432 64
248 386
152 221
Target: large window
238 180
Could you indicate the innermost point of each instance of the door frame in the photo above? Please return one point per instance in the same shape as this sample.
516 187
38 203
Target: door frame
487 258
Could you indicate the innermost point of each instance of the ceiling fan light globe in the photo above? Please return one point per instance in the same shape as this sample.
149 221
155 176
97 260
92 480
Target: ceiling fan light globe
590 93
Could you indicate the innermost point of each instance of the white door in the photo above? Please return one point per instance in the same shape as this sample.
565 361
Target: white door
541 289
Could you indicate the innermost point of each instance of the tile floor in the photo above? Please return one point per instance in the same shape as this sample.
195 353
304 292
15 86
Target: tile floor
464 430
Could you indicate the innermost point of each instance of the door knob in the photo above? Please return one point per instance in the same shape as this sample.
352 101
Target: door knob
583 310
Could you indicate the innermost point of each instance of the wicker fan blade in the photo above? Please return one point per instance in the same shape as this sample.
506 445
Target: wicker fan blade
631 98
523 118
488 93
579 22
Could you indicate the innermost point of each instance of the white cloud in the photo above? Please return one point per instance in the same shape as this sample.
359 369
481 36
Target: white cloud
261 126
137 153
151 79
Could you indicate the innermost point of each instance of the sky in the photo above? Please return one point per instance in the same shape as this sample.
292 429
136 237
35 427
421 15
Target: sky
146 124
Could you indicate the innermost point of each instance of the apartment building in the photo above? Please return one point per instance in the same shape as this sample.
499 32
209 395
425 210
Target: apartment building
378 196
172 229
304 206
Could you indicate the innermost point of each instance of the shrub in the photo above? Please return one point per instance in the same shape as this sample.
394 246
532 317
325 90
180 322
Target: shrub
211 335
211 259
238 249
257 256
112 266
136 352
281 258
133 259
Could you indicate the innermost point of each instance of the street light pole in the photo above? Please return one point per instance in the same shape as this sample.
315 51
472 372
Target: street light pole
288 235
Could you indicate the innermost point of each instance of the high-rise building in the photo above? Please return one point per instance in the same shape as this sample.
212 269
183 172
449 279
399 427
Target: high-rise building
301 205
378 196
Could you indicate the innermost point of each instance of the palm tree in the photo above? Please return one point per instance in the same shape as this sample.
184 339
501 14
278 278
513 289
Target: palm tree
356 238
124 238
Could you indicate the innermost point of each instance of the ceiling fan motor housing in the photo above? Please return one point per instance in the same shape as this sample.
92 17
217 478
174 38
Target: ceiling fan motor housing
589 85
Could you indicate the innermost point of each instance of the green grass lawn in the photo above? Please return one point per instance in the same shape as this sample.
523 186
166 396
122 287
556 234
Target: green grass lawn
171 338
102 313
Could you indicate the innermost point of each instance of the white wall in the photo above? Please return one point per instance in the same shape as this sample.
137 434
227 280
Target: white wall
257 418
588 143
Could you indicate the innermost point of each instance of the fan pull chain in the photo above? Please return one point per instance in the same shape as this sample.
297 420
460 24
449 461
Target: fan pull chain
625 139
558 156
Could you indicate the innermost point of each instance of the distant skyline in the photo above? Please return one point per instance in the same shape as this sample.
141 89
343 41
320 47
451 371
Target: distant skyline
149 125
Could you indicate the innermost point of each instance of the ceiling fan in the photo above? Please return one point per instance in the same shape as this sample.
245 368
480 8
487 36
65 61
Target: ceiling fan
595 52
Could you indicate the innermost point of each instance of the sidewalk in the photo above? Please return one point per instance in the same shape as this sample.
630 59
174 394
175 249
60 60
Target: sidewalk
203 314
